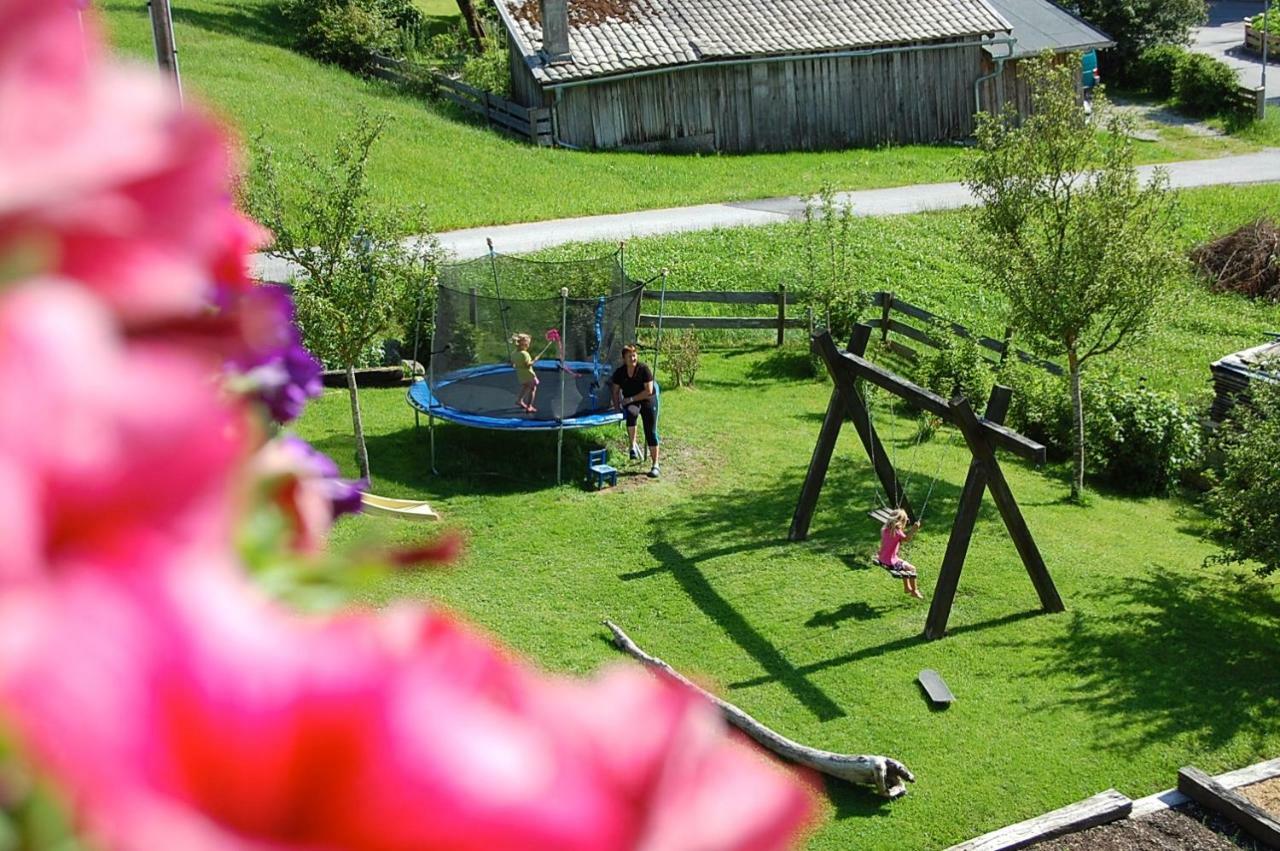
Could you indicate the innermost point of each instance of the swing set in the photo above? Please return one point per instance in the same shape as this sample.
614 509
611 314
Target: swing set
982 435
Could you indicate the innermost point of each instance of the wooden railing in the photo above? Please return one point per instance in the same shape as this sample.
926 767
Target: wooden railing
998 350
1250 101
531 123
779 321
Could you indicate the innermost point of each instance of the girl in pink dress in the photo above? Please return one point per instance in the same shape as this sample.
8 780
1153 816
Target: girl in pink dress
896 531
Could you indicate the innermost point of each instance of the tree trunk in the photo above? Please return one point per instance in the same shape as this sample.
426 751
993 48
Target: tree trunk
887 775
475 24
1077 421
362 453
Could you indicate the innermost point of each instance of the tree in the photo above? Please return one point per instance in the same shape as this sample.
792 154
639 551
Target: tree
1245 497
1139 24
355 268
1079 248
475 24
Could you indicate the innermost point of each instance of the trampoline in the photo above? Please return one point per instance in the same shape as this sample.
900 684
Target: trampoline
484 397
578 313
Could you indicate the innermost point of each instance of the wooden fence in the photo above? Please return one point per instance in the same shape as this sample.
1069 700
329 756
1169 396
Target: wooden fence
532 124
779 320
1250 101
998 350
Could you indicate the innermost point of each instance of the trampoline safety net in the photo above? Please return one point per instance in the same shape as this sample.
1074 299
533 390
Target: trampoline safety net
481 304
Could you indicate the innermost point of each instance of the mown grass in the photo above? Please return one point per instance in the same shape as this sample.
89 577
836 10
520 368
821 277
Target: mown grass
924 259
1158 661
234 55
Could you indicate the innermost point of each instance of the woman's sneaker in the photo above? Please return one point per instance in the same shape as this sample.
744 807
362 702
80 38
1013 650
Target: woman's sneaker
635 452
653 471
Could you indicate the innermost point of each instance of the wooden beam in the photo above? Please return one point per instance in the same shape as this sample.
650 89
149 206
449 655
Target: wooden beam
1103 808
818 465
1207 792
856 410
927 400
974 435
975 484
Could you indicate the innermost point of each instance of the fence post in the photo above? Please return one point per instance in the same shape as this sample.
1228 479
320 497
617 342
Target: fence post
782 311
886 307
808 315
1006 343
475 307
1260 103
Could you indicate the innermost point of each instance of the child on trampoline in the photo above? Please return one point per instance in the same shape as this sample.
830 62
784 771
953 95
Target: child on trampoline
896 531
522 361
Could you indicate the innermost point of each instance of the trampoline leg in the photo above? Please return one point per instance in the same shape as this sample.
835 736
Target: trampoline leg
431 427
559 451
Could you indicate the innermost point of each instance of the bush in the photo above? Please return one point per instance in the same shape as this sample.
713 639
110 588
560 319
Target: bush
1245 498
958 367
1203 85
1040 407
1155 67
1139 24
1143 440
682 354
1273 23
488 70
346 32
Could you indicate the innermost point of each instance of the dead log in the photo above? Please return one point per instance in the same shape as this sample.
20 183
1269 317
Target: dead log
887 775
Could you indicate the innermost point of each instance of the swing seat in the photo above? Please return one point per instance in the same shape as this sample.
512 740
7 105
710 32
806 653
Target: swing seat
880 515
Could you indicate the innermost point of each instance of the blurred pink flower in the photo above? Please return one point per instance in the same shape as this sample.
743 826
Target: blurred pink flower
108 453
103 178
193 715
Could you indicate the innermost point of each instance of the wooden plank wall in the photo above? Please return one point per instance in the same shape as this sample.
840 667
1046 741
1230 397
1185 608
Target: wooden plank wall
1011 86
810 104
524 88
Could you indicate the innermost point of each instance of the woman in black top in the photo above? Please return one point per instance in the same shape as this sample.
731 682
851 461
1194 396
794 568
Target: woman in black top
633 393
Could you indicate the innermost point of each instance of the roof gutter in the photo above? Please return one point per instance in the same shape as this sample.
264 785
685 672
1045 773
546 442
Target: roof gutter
1008 41
786 57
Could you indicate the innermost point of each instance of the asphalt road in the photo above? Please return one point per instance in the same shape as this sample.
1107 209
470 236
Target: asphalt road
1223 37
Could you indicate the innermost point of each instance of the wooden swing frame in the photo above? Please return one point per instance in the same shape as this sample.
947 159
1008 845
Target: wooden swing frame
983 435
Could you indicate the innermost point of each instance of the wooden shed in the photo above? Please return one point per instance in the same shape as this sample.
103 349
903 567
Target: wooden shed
751 75
1036 26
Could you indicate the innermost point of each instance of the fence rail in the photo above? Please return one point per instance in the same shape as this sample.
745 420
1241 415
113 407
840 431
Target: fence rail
1250 100
889 304
779 321
531 123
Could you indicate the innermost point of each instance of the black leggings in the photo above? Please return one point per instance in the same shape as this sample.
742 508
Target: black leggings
645 410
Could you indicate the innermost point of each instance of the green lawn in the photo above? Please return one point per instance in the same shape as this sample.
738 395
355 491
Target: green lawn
233 55
1158 662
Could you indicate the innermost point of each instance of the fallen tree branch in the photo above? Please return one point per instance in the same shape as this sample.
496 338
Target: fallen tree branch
885 774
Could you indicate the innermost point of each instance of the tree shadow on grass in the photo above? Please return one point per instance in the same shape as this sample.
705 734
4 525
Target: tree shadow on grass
472 461
262 24
702 593
783 364
1169 655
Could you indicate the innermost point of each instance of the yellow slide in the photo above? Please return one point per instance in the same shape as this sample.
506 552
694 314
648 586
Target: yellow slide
405 509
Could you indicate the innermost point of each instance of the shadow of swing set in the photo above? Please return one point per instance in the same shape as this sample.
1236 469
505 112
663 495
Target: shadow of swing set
982 435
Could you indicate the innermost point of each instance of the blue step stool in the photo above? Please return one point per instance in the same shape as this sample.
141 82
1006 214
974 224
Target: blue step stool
598 470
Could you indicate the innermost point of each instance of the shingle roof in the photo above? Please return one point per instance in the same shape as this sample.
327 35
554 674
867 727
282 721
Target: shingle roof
615 36
1040 25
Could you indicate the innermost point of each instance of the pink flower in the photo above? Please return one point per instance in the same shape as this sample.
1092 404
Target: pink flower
192 715
104 179
107 452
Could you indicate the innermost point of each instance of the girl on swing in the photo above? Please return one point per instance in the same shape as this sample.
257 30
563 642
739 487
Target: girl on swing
896 531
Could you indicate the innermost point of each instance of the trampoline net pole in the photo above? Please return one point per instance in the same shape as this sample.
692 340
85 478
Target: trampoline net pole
564 322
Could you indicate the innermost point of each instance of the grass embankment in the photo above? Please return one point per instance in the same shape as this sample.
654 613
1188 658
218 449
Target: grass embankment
1157 662
234 55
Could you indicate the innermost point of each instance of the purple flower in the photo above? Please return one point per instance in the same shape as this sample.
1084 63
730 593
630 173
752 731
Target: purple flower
273 365
305 485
